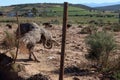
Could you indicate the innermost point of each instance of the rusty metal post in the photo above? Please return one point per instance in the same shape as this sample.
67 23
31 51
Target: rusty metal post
63 41
17 46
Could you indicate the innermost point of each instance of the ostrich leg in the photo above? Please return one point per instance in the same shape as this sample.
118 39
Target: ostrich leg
30 47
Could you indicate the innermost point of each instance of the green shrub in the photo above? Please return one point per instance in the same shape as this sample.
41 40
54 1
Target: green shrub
100 45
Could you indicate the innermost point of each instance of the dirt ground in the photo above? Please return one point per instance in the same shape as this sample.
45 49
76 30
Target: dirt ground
50 58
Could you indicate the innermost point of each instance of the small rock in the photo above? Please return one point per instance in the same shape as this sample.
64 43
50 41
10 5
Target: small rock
51 57
100 75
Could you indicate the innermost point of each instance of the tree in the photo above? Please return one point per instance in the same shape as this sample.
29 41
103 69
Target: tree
34 11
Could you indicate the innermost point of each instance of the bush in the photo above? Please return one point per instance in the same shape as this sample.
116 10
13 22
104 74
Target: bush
116 75
116 27
55 21
89 29
100 22
93 22
107 28
9 41
85 30
100 45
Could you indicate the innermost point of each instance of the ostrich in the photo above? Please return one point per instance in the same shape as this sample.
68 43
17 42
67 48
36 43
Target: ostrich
24 28
36 35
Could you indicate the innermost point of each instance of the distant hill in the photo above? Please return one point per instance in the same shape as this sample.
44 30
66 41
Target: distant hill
82 6
46 9
25 7
110 8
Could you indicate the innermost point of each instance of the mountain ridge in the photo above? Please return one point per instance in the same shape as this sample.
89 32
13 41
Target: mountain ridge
101 4
109 8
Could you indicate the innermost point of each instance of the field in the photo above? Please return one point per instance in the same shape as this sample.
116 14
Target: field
58 20
77 14
50 59
77 65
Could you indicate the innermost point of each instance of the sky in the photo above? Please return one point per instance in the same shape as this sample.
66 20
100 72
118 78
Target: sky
12 2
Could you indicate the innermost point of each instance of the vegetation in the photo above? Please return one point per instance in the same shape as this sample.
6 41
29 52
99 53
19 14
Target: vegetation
117 75
111 8
34 11
116 27
100 45
9 41
77 14
85 30
89 29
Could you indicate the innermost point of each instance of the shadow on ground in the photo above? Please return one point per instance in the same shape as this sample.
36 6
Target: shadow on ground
75 71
